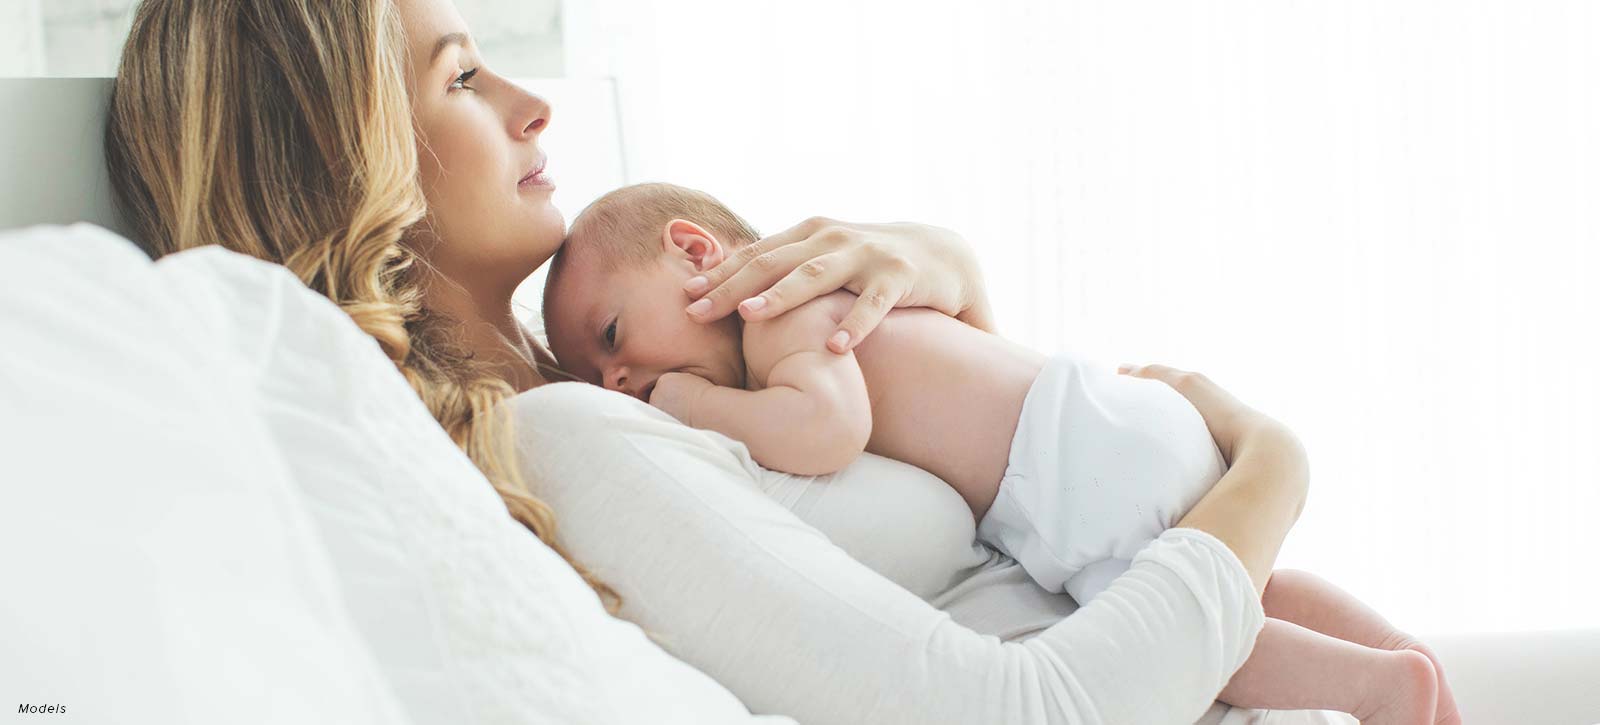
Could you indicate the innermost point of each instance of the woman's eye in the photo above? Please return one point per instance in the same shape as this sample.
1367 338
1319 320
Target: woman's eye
611 334
461 80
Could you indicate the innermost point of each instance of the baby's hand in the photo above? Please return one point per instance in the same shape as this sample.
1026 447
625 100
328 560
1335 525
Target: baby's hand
675 393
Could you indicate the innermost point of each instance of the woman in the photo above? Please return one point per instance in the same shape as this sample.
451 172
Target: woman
365 146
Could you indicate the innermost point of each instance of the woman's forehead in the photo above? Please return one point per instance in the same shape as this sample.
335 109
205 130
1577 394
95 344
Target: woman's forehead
431 26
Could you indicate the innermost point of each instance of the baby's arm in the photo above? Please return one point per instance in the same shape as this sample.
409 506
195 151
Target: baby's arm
811 415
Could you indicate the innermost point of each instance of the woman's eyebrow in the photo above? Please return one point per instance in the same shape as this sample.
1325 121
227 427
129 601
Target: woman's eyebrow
445 41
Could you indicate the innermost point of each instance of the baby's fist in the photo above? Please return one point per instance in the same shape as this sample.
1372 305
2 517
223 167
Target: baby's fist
675 393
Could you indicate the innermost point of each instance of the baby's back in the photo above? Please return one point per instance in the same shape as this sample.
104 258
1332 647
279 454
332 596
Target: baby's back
945 396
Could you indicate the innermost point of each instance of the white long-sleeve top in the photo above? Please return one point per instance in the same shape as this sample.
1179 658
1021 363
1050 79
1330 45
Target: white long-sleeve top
713 559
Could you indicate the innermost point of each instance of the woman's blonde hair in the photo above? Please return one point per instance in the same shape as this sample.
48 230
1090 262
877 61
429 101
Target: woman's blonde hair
282 129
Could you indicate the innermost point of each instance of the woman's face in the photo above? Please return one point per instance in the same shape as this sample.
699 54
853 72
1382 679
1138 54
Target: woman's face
491 216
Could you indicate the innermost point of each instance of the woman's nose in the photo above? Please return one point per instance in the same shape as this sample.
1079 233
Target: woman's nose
530 114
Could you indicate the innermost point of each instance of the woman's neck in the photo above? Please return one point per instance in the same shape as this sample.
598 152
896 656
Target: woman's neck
491 330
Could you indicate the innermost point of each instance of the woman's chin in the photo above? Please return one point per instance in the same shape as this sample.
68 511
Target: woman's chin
542 234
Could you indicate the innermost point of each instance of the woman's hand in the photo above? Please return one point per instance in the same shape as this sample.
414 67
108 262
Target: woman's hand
1258 499
886 265
1229 420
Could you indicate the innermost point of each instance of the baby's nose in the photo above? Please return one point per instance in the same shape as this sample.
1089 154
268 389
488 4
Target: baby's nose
616 378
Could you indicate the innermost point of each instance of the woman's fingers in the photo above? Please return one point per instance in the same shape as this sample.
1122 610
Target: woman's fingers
1189 383
869 310
1224 414
744 274
813 278
886 264
716 276
1207 397
1166 374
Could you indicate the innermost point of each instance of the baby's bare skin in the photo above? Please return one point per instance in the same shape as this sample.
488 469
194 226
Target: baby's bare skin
945 397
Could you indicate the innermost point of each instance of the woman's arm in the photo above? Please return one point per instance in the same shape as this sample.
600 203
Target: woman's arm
1260 497
730 582
887 265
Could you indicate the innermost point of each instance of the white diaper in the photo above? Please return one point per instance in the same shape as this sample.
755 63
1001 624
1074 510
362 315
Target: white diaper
1100 465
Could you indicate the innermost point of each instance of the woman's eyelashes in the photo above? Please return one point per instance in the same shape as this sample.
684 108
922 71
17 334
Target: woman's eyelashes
460 82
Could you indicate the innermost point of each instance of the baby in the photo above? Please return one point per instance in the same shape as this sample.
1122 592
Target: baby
1068 467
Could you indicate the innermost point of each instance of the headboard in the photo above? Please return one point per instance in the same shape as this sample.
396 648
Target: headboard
52 168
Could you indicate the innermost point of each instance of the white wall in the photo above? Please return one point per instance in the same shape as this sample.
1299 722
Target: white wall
84 37
21 38
1373 219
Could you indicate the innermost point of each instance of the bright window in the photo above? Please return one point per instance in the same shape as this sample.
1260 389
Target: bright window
1374 220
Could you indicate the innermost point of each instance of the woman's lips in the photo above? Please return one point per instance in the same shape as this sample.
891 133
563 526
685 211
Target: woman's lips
536 178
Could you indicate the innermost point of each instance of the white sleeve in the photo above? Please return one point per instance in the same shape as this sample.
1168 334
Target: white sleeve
735 585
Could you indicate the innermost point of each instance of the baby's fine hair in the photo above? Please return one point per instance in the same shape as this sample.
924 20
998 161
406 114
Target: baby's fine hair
623 228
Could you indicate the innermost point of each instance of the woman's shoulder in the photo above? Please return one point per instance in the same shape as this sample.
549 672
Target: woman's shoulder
574 402
575 430
554 417
570 411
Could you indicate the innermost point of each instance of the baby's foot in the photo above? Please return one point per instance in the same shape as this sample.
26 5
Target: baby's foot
1445 711
1404 691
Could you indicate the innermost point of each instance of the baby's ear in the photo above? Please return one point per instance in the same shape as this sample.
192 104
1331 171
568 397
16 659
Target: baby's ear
691 241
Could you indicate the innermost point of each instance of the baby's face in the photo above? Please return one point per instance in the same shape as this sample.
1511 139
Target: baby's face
624 329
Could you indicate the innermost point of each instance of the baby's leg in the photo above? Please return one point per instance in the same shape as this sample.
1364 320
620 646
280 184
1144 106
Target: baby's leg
1294 668
1315 603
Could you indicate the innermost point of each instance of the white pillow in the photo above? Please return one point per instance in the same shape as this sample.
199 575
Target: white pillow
158 566
175 425
472 618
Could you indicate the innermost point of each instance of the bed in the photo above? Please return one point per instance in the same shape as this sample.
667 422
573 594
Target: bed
346 664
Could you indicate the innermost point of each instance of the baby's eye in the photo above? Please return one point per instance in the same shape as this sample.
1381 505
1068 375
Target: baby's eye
611 334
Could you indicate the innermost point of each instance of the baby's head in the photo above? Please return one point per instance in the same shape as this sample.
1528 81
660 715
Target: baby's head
614 300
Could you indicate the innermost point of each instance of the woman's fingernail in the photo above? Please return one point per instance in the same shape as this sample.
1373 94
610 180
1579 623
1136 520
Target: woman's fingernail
840 341
754 304
696 285
1125 368
699 307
